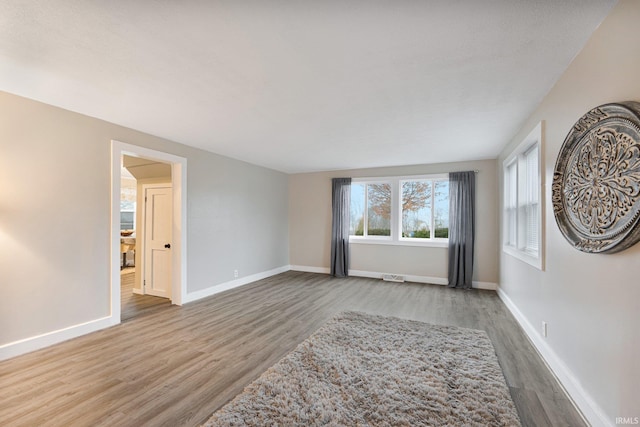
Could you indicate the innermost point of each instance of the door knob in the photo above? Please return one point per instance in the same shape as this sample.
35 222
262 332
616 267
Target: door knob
168 246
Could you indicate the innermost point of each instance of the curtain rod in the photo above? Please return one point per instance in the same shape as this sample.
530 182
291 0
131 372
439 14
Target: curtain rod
389 177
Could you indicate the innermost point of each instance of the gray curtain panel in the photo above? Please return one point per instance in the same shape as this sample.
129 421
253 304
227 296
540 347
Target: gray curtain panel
341 204
462 200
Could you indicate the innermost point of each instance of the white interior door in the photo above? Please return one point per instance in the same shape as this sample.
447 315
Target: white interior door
157 241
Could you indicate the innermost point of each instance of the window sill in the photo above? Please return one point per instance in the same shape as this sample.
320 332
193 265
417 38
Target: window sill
389 242
524 257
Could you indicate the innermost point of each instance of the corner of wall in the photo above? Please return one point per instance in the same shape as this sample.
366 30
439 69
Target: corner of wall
221 287
582 401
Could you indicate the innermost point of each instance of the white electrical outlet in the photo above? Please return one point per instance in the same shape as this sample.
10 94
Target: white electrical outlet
235 274
544 329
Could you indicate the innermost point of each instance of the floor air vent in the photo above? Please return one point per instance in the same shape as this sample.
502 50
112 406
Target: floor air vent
393 278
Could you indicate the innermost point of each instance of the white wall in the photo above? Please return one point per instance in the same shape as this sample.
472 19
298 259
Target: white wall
590 302
55 217
310 225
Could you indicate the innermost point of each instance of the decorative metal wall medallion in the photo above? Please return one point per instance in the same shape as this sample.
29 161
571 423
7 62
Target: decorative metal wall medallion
596 181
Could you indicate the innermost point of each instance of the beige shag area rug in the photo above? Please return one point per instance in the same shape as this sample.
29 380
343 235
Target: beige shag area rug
365 370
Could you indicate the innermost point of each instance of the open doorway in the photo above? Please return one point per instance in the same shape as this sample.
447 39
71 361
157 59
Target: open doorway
145 235
148 218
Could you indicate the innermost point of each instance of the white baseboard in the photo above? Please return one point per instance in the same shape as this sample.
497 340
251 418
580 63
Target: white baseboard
221 287
407 277
308 269
589 409
27 345
138 291
489 286
38 342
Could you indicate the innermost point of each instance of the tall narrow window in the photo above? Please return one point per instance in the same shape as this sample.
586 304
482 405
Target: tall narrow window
530 203
441 209
511 203
356 226
416 209
522 211
379 214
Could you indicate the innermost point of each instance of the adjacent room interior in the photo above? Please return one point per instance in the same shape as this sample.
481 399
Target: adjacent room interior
206 203
145 188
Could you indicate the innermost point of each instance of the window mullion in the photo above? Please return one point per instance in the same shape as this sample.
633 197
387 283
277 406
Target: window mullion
396 209
365 232
432 235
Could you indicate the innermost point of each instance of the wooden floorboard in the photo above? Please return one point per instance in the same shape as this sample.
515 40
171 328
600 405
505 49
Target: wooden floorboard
174 366
133 305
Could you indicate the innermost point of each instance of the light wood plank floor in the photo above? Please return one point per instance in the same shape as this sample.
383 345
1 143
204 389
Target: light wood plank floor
133 305
173 366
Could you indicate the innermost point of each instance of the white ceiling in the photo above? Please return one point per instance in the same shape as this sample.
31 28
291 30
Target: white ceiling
301 85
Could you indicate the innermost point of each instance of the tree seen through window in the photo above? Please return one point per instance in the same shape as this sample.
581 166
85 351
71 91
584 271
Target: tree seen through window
424 208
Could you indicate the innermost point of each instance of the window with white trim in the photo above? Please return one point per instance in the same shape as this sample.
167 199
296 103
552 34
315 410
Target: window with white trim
425 209
522 207
511 203
400 210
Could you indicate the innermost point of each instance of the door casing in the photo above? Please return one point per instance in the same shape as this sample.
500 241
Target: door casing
179 226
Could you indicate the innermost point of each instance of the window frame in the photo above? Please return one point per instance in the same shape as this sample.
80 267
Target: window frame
365 225
515 239
396 213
